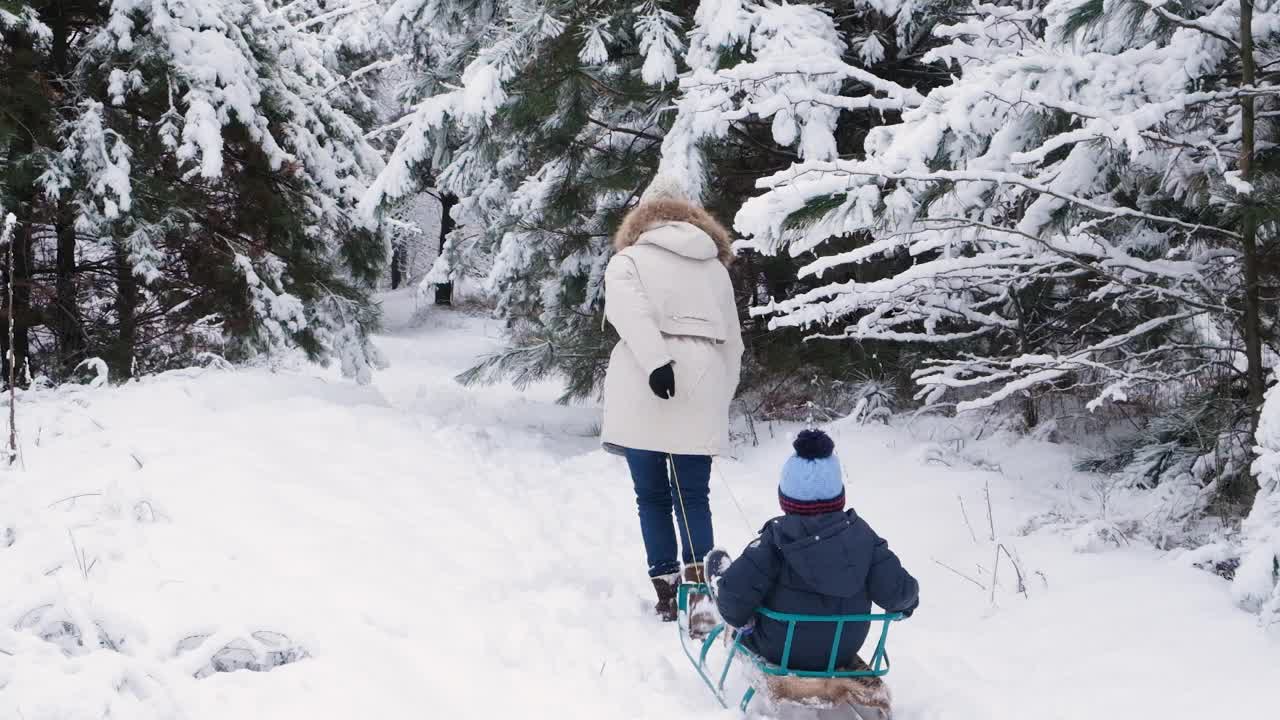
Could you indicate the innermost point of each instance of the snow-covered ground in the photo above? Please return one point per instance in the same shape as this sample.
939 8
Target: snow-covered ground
424 550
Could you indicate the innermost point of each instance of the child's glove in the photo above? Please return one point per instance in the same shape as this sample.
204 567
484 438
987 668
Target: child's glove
745 630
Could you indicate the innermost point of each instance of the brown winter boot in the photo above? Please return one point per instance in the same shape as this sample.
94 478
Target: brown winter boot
665 586
702 616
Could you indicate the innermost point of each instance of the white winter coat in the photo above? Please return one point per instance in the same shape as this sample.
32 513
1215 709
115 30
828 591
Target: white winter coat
669 296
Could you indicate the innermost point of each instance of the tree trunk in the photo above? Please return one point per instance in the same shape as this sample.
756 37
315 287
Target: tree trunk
22 313
6 269
1249 222
448 201
11 377
22 177
397 265
1030 409
67 323
126 304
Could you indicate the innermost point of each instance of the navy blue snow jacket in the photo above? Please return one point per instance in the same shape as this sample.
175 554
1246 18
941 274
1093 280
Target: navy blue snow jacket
829 564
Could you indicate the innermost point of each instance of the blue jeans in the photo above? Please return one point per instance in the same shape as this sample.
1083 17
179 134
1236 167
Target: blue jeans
657 497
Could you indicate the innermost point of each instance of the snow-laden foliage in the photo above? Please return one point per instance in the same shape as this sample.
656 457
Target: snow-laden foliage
1065 211
21 17
1068 225
1256 586
506 45
790 71
547 119
210 155
656 29
544 119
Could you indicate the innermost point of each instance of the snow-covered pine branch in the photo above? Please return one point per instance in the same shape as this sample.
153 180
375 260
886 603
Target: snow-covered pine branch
335 14
1070 173
792 73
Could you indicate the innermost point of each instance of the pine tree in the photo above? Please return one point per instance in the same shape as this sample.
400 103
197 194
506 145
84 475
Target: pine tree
213 173
28 112
552 130
937 186
771 85
1066 214
548 119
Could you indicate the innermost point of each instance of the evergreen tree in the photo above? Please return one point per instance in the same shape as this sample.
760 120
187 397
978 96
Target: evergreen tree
549 131
547 119
1068 216
771 85
194 171
28 111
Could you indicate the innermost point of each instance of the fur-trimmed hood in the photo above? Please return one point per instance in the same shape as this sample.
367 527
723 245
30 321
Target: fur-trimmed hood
648 215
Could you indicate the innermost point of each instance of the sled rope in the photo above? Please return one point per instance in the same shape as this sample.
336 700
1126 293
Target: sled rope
733 496
684 514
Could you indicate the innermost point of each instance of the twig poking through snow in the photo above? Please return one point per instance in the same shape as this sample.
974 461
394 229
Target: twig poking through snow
966 577
83 562
72 499
995 576
967 524
991 523
995 573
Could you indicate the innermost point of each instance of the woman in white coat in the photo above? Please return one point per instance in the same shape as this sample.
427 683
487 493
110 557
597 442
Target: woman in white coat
672 375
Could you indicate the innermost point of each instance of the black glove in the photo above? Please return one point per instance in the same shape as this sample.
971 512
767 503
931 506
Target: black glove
663 382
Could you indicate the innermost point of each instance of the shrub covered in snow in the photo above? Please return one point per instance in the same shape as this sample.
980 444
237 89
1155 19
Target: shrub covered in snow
1256 586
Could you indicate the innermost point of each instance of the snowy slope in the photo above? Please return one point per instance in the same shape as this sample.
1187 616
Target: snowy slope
444 552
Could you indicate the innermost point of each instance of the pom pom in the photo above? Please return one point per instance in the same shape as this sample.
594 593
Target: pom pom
813 445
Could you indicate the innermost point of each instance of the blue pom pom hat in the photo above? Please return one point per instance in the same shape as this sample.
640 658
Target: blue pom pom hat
812 481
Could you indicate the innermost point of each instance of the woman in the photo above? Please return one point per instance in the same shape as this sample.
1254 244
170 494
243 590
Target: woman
671 377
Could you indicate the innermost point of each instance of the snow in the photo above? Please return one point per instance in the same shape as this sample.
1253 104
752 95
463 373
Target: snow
595 43
1256 586
421 549
659 42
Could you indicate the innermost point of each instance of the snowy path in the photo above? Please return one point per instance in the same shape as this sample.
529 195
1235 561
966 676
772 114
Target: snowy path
444 552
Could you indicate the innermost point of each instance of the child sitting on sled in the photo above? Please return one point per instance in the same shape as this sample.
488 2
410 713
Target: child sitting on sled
816 559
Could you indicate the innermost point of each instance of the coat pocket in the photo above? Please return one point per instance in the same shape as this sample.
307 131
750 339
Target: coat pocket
686 325
696 364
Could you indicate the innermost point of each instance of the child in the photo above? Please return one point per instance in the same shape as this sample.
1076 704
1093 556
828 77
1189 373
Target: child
816 559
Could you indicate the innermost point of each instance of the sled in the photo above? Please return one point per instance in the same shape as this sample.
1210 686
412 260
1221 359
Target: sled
856 684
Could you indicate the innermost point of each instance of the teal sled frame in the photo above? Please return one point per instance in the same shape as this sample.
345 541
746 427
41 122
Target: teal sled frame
715 680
